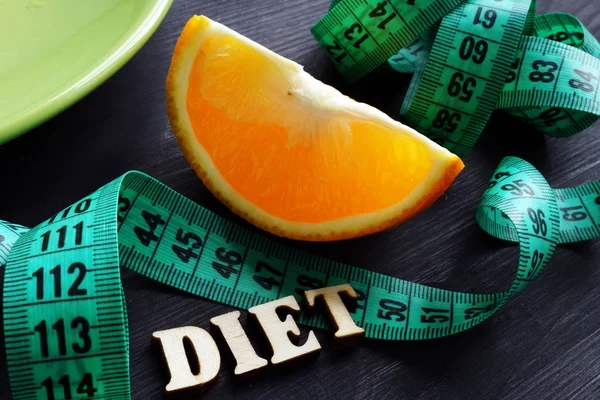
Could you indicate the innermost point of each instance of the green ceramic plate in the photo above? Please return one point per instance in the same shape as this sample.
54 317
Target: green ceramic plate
54 52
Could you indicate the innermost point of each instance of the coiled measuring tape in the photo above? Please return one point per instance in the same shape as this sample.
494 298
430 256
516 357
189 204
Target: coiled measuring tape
468 59
65 321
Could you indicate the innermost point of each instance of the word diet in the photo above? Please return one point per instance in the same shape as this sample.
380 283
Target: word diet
276 330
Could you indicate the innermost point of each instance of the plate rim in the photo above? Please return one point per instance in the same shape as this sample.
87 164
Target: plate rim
30 117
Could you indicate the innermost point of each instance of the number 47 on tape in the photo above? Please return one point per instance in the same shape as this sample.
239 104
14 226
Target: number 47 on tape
276 330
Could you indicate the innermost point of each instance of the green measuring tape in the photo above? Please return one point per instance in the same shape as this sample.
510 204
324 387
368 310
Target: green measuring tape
468 59
65 321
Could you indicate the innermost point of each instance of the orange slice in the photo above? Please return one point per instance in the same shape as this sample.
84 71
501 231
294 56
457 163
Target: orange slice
289 153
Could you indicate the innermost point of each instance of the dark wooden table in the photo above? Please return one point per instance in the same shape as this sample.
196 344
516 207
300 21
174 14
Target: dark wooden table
545 344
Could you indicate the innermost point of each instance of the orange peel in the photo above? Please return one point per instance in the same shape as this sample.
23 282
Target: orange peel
289 153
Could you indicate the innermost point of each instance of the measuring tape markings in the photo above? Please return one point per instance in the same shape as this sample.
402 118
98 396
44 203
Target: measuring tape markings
66 326
68 323
465 71
552 120
580 208
532 91
408 58
64 311
566 29
554 78
361 35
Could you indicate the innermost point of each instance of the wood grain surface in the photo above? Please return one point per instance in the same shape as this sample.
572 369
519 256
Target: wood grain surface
544 344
